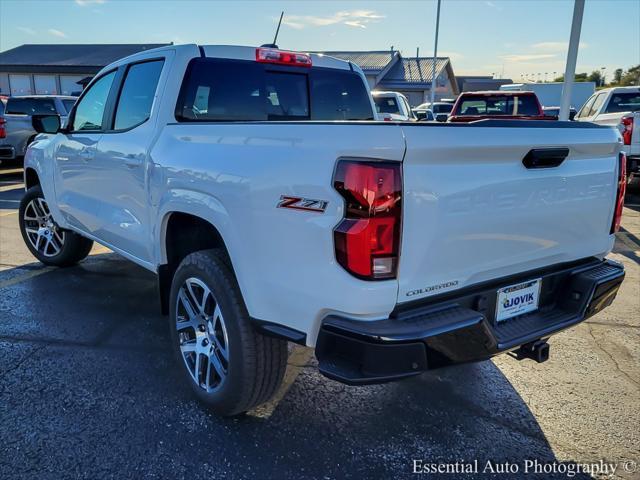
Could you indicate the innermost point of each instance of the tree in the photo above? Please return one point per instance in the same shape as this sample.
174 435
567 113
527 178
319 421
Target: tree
595 77
617 75
579 77
631 76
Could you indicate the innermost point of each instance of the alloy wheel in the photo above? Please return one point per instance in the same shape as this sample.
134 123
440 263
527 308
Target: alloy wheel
202 335
43 234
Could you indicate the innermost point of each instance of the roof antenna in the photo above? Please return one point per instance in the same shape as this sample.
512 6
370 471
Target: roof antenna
275 38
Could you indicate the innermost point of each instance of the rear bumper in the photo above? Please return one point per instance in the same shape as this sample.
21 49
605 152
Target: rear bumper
460 328
7 152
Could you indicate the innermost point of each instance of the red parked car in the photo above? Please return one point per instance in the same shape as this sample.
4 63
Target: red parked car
472 106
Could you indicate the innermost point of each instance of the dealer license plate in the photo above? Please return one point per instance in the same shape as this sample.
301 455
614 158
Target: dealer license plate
517 299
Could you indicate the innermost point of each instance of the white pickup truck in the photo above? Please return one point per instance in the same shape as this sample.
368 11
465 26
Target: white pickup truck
273 208
618 107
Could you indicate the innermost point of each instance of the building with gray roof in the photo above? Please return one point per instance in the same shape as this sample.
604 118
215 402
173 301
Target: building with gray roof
60 69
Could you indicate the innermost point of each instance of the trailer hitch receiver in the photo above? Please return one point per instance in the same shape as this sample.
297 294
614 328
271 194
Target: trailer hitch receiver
538 351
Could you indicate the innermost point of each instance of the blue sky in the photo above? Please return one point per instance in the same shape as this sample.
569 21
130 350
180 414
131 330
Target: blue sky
480 36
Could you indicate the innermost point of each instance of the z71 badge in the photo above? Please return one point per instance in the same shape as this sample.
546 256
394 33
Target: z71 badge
299 203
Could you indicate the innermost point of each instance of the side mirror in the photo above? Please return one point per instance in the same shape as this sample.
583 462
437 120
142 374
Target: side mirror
45 123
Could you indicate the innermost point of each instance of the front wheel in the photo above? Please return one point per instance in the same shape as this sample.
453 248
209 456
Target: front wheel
228 365
46 241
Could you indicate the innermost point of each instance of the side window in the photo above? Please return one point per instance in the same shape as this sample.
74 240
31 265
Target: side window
586 107
90 109
597 104
136 96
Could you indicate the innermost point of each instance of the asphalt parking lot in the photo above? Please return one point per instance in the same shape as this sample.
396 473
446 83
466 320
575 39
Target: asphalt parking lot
88 389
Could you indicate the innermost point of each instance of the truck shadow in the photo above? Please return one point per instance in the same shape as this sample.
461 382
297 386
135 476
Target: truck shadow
90 339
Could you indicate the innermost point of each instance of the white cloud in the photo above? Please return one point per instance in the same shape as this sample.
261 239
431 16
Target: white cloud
523 58
493 5
27 30
355 18
555 46
83 3
57 33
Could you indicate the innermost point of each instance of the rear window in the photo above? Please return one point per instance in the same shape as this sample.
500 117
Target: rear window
236 90
442 108
386 104
31 106
624 102
499 105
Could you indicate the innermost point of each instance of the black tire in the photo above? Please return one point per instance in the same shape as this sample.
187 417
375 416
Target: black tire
74 247
256 363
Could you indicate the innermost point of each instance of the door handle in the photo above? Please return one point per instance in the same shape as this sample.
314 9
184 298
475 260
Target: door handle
86 154
545 157
132 161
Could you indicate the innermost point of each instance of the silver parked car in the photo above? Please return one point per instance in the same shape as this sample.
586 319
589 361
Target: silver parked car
18 111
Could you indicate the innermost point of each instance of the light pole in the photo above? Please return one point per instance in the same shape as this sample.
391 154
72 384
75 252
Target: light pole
572 57
435 57
602 69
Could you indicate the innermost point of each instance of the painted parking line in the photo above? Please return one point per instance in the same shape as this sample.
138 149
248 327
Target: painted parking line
298 359
35 273
11 187
12 171
24 276
99 249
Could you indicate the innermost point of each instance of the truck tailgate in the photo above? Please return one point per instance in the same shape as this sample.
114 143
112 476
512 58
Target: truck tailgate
473 212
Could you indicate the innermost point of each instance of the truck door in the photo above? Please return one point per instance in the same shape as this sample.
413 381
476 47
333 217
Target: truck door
77 178
121 159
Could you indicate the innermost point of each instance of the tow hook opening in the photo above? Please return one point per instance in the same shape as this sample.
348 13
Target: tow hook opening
538 351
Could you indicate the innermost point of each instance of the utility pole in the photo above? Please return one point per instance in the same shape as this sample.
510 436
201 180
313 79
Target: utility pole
572 58
435 57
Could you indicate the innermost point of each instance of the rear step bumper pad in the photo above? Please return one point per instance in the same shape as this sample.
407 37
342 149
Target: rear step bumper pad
460 329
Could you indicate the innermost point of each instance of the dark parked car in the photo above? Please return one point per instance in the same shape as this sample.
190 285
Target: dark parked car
504 105
555 112
16 130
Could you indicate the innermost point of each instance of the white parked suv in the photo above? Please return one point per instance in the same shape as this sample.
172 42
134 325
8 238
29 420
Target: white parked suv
392 106
618 107
256 185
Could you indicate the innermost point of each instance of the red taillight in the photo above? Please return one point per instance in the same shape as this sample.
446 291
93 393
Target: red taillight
282 57
627 129
367 241
622 188
3 131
